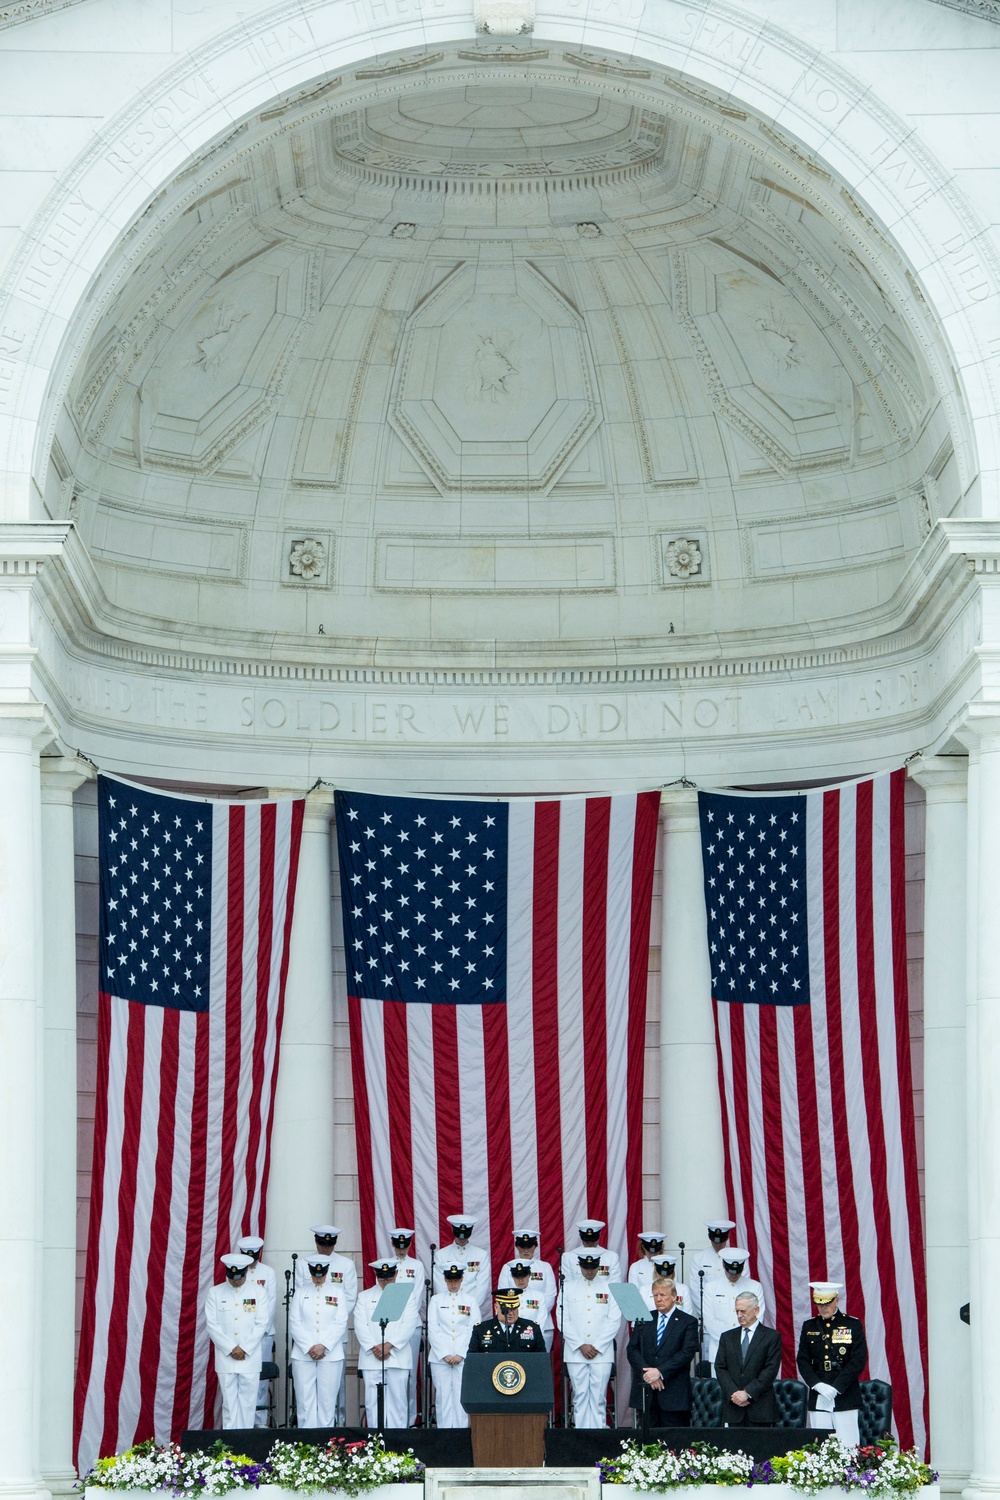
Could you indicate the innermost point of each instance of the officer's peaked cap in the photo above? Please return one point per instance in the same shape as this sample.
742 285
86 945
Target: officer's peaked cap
252 1244
457 1221
589 1226
233 1261
723 1225
647 1236
520 1268
732 1255
824 1291
324 1231
452 1273
526 1234
383 1268
400 1234
318 1262
589 1262
507 1296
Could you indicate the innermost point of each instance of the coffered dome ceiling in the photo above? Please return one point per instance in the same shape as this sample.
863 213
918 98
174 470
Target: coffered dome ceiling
500 355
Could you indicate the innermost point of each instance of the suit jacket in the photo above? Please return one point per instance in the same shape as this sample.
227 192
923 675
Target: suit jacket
756 1377
833 1352
494 1337
672 1359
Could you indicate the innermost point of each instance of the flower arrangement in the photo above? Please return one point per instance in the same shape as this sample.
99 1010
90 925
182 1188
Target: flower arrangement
352 1468
881 1470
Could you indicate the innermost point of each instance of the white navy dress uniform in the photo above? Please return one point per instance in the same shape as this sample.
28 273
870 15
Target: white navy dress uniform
264 1279
477 1282
542 1277
642 1273
236 1318
410 1272
451 1317
369 1336
589 1316
342 1272
318 1316
533 1305
707 1259
719 1311
589 1230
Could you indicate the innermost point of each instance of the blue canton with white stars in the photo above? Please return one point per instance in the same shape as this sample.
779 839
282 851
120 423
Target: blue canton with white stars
424 892
754 854
156 893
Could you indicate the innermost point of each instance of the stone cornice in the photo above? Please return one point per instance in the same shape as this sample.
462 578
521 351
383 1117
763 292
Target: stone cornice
986 10
933 588
29 10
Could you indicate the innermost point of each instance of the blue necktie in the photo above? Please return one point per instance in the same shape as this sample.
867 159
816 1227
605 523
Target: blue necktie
744 1347
661 1329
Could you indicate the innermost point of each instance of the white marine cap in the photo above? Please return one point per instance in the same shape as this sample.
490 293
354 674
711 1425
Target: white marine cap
397 1233
251 1243
726 1224
458 1219
324 1231
730 1253
589 1225
233 1261
824 1291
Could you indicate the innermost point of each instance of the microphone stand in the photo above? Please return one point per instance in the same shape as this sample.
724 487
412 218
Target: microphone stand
428 1293
701 1314
383 1324
680 1246
289 1294
562 1362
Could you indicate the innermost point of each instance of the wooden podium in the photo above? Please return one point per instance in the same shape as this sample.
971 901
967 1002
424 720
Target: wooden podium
508 1398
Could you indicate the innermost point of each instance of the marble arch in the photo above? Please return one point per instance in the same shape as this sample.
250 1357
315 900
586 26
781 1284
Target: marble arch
909 663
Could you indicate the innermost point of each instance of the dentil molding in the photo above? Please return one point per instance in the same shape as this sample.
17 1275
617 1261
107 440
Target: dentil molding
28 10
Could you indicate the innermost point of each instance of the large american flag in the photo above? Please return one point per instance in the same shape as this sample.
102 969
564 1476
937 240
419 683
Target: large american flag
497 957
807 939
196 906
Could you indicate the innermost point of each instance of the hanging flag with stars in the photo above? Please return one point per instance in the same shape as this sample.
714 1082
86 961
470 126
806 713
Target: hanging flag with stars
497 957
807 942
195 911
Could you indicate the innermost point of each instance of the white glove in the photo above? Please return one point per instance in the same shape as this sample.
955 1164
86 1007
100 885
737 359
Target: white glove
826 1395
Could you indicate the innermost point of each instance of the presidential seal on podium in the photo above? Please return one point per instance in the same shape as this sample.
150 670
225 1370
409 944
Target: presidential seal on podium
509 1377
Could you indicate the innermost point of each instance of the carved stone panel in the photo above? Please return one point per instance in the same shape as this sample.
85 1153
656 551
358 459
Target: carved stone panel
494 388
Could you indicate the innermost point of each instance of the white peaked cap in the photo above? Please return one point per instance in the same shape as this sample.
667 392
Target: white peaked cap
725 1224
396 1233
583 1224
529 1233
316 1260
235 1262
825 1289
461 1219
733 1252
251 1242
323 1231
651 1234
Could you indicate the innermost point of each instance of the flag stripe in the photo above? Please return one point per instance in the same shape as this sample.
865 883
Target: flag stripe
595 1039
195 916
817 1097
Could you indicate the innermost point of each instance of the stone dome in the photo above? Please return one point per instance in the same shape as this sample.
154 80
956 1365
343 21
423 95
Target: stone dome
504 355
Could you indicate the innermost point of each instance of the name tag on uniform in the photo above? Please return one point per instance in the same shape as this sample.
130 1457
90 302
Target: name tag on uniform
336 1275
842 1336
813 1333
330 1301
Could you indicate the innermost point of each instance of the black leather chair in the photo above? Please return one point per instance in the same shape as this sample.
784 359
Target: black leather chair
269 1371
792 1398
706 1403
875 1416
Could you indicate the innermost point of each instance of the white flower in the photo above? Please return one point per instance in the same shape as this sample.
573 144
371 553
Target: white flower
307 558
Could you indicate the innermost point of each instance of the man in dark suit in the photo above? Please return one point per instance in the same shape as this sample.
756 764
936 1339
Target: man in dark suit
660 1353
746 1367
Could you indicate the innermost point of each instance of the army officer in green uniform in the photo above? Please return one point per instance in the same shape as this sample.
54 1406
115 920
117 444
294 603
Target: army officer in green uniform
505 1332
832 1356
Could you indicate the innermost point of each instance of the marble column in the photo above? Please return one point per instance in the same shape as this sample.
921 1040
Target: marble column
301 1186
945 783
22 730
982 733
60 776
692 1179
